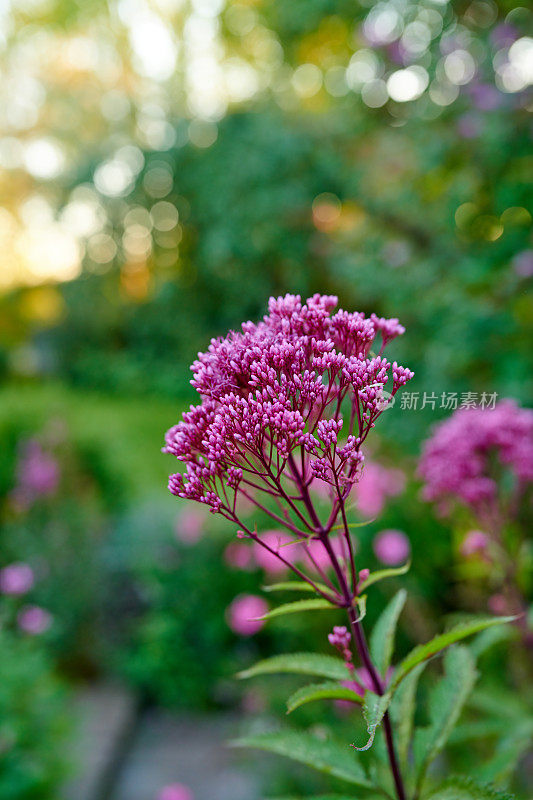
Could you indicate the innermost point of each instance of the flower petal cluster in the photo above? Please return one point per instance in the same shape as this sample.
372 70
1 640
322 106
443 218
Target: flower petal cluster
271 396
467 453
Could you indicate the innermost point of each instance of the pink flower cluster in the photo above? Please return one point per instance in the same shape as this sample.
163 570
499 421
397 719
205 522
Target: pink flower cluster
392 547
175 791
16 580
340 639
244 612
275 390
465 456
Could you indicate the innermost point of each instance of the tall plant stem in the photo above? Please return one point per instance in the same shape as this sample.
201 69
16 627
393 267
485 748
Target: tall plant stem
355 624
362 649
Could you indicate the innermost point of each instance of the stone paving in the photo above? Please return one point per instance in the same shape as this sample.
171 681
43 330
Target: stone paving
105 717
189 750
121 754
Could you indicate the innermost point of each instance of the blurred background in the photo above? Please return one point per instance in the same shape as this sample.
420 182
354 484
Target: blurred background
166 165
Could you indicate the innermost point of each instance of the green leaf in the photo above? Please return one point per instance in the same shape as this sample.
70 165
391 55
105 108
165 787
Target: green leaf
424 651
329 797
294 586
382 639
315 604
321 666
446 701
507 753
374 708
362 524
498 702
321 691
381 574
403 711
484 729
490 638
328 756
361 605
467 789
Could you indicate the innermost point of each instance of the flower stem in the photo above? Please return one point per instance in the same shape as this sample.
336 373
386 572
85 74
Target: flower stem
362 649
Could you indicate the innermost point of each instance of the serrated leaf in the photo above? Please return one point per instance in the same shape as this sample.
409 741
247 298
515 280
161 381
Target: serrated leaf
314 604
381 574
382 638
467 789
294 586
328 756
446 701
402 711
321 666
321 691
424 651
374 708
507 753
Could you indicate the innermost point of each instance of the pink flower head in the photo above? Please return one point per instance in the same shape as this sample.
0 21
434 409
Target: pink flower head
34 620
238 555
243 613
269 420
458 460
190 525
175 791
16 579
340 639
261 385
474 542
392 547
277 541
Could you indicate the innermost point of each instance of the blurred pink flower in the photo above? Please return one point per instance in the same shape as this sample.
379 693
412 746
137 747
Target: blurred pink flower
321 488
391 547
474 542
458 461
189 527
498 604
523 263
37 474
374 486
175 791
242 614
16 578
34 619
267 561
238 555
